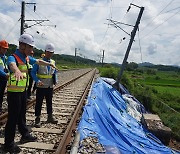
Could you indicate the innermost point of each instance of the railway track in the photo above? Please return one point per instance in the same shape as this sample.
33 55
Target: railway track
69 97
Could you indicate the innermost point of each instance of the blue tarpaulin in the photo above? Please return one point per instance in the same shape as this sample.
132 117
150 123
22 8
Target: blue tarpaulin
105 117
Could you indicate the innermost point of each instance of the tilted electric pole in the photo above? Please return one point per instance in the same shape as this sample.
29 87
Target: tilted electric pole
102 58
133 33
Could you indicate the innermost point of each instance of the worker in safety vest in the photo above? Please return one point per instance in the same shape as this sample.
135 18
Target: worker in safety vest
3 70
16 93
45 77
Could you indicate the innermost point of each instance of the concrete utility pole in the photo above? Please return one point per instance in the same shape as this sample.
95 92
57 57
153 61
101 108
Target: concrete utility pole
22 17
75 55
133 33
23 4
103 58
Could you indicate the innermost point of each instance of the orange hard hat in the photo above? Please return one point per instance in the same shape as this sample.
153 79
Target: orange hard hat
4 44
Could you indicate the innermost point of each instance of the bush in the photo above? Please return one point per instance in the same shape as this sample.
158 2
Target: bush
108 72
157 78
151 72
139 70
127 83
146 97
108 66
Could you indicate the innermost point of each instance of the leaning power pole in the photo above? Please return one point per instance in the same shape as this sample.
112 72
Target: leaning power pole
102 58
23 26
133 33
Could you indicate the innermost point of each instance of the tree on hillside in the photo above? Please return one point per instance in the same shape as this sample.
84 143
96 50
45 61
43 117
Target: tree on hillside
131 66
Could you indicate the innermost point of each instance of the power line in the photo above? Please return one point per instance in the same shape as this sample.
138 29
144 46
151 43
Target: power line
40 21
12 29
6 19
60 37
140 46
110 14
51 28
111 9
157 15
132 1
116 29
74 5
162 13
160 25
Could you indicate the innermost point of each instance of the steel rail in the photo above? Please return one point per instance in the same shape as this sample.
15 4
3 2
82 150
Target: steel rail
61 149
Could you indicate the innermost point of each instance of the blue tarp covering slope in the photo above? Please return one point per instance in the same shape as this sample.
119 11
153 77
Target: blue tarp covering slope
105 117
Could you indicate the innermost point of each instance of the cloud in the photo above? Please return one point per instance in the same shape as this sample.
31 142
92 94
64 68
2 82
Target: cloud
83 25
152 49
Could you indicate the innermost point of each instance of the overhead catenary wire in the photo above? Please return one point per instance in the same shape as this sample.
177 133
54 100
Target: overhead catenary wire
147 25
116 28
111 9
75 5
146 35
123 18
38 14
8 20
29 12
110 15
12 29
140 46
150 18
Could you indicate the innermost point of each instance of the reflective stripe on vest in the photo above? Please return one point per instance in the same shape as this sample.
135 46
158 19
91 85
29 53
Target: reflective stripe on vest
46 75
43 76
30 66
13 84
2 63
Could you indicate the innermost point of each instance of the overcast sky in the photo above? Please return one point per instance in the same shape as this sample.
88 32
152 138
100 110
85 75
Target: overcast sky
83 24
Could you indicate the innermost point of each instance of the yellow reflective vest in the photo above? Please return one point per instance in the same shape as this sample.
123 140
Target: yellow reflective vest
19 86
46 75
2 64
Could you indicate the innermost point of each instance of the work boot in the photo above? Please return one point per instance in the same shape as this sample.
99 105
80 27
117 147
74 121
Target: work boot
51 119
37 122
11 149
28 138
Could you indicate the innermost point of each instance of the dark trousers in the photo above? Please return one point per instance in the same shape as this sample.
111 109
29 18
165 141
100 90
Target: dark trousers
40 94
34 87
2 89
16 116
30 86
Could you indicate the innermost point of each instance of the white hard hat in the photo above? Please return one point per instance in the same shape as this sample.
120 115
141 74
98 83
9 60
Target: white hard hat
27 39
49 47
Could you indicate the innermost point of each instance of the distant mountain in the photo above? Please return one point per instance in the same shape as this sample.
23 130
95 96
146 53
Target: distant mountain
160 67
115 64
176 66
78 59
145 64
